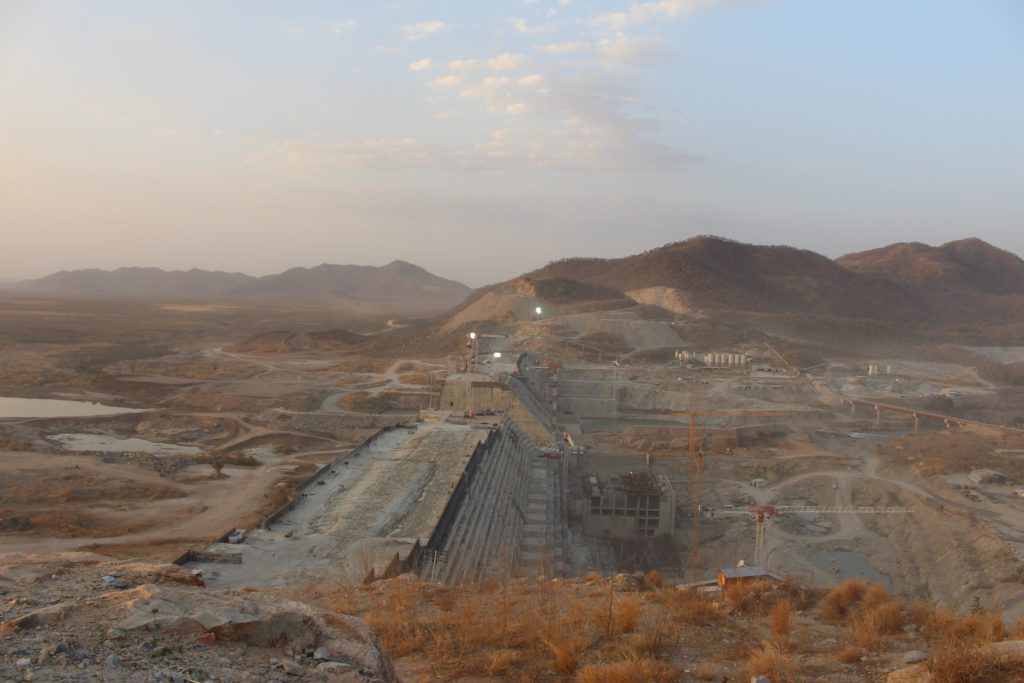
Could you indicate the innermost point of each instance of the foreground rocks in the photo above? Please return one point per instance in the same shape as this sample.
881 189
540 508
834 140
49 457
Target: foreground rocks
82 617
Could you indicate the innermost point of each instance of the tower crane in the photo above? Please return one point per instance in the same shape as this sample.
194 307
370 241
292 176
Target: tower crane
697 460
761 512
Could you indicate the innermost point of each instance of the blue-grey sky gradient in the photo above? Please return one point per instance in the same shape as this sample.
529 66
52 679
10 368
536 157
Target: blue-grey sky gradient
483 139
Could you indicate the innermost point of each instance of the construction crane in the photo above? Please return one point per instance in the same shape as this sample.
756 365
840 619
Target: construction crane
762 512
697 461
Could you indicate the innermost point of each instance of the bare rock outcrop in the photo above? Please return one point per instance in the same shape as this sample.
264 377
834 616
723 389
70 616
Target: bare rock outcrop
131 630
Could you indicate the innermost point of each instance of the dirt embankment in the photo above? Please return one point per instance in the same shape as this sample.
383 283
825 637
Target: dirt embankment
944 553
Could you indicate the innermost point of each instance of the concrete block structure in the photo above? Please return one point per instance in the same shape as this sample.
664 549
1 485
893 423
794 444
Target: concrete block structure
629 505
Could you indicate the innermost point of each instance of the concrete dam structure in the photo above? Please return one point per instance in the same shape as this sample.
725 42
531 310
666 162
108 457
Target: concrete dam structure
504 517
453 501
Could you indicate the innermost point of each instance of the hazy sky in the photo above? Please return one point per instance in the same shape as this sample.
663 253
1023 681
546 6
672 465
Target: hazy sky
482 138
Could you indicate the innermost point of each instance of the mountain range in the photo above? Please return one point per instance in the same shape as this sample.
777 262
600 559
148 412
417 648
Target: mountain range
966 291
967 283
398 283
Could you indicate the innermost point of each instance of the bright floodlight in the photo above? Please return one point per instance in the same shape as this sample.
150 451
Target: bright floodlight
472 335
538 310
497 354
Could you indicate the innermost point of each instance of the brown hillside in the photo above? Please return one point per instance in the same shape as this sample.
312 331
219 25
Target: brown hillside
968 266
715 273
967 281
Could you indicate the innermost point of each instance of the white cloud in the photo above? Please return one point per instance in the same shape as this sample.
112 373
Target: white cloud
523 26
342 26
506 62
517 108
530 81
564 48
630 50
449 81
417 31
639 13
420 65
462 65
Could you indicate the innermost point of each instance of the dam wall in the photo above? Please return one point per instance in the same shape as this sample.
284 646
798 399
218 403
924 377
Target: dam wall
485 530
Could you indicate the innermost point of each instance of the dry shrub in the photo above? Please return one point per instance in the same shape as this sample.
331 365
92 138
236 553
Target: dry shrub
771 661
920 612
642 670
654 635
1018 631
875 595
870 624
850 654
566 648
800 596
652 580
838 602
750 598
781 618
501 661
984 627
624 619
691 607
959 659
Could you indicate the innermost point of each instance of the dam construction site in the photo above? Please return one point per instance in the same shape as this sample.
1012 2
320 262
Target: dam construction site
539 453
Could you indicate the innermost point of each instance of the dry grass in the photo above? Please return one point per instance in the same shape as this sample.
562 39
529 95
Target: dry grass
690 607
641 670
850 654
1018 631
531 630
770 660
780 619
959 659
870 625
750 598
838 603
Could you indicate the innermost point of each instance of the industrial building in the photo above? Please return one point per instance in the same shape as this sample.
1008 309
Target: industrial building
629 505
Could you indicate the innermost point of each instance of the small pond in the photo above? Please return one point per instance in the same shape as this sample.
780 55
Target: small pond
48 407
111 444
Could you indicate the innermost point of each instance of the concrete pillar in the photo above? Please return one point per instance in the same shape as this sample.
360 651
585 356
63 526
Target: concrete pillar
917 423
878 417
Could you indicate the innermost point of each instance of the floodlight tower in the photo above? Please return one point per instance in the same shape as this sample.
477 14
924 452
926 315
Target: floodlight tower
471 343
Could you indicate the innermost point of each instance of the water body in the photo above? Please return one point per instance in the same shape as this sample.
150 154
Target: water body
112 444
846 564
48 407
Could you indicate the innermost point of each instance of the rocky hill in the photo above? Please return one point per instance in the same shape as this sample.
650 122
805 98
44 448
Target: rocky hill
707 273
964 267
398 282
961 290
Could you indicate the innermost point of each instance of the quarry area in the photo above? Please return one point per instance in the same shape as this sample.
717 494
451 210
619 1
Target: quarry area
593 459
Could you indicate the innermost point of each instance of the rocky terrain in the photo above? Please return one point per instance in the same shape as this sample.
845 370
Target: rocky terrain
84 617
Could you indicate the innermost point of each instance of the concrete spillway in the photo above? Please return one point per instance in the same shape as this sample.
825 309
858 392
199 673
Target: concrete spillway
456 502
503 519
